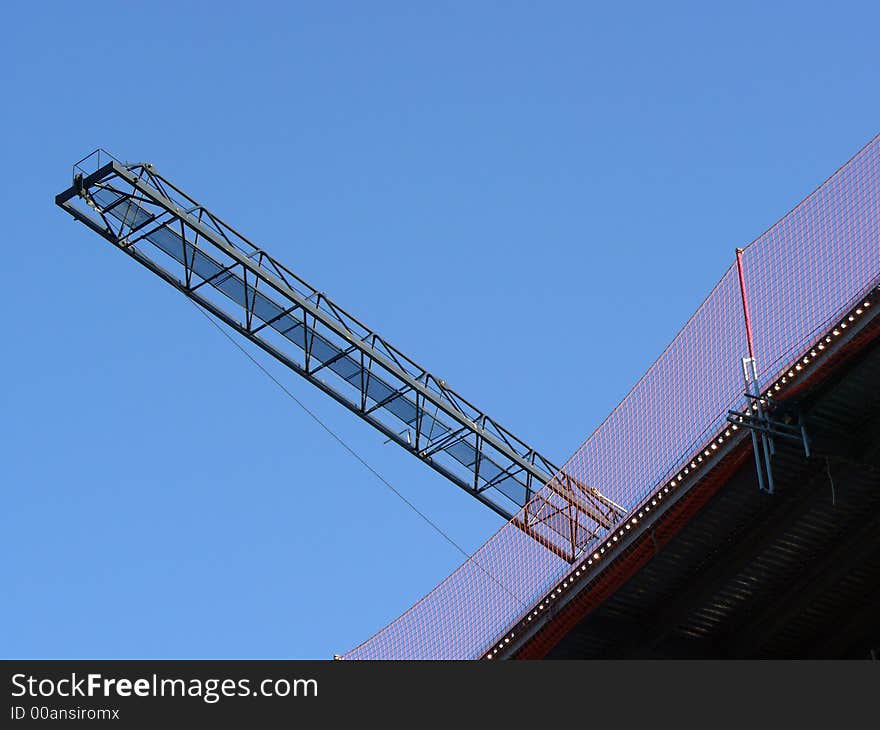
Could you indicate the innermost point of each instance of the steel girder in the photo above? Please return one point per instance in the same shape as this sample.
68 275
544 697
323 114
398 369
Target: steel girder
168 232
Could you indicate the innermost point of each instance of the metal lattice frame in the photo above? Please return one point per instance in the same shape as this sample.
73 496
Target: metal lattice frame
164 229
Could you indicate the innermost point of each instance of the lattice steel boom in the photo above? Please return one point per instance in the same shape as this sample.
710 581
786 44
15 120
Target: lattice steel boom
164 229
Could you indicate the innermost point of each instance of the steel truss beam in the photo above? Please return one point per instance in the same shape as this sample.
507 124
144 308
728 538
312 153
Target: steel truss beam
168 232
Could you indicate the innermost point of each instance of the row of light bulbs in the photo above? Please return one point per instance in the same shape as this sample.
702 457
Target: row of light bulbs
695 463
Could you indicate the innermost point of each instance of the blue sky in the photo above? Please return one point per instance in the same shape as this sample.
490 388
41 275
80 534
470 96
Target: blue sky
530 199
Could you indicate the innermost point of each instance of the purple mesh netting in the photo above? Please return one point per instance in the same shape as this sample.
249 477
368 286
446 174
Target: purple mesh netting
801 276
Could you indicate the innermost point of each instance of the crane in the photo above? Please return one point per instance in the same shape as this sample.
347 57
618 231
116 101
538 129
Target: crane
165 230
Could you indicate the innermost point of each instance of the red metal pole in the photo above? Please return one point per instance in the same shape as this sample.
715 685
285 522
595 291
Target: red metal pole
745 300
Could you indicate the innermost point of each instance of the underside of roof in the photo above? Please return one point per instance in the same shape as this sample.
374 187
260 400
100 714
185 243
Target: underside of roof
737 572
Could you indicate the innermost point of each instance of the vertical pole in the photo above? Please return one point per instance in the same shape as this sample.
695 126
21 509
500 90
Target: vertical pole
765 442
745 301
748 379
750 372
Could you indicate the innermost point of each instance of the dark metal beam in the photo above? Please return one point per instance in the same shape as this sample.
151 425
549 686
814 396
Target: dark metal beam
156 223
817 578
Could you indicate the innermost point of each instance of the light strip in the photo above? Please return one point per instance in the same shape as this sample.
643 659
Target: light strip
810 357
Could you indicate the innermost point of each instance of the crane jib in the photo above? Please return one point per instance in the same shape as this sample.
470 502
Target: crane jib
168 232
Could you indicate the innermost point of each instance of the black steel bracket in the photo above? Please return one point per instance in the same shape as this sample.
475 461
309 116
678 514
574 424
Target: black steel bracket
760 419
